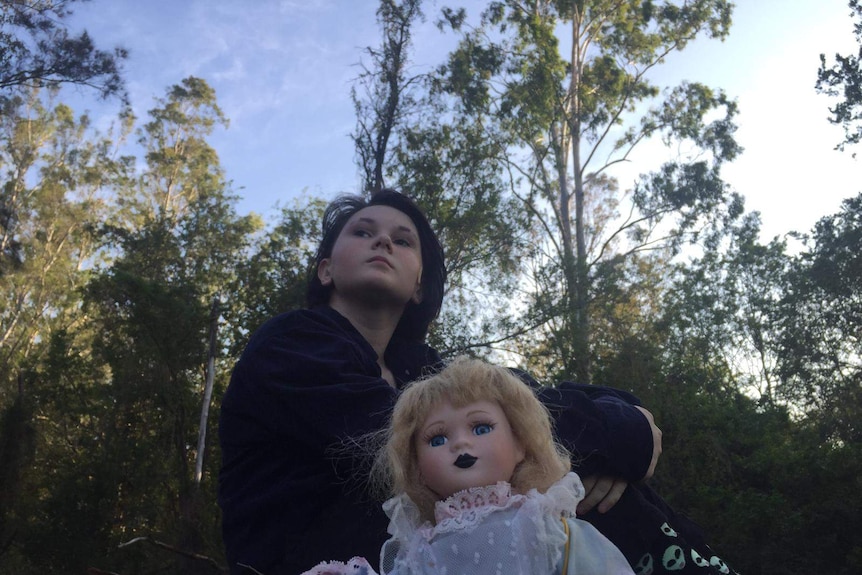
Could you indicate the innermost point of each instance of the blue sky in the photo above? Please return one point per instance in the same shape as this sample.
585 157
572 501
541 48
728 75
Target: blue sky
282 71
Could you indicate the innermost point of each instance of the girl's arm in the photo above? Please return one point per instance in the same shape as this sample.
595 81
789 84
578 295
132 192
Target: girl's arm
607 430
303 385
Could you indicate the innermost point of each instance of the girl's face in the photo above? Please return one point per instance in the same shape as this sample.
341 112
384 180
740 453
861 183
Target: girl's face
377 256
465 447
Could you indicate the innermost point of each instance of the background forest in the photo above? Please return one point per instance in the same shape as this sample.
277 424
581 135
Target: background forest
124 265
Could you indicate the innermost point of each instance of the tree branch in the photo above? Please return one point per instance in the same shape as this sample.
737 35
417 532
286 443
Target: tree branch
190 554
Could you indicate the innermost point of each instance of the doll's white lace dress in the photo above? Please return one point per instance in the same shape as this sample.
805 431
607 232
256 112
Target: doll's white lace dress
491 531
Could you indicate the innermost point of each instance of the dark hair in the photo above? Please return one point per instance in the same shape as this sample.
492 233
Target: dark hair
417 317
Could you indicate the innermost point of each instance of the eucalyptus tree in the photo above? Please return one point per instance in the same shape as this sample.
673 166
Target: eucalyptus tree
820 326
178 241
274 277
55 170
760 377
564 87
52 172
844 78
723 313
37 50
406 136
384 94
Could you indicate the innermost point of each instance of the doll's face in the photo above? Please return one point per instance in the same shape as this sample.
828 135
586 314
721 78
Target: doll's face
469 446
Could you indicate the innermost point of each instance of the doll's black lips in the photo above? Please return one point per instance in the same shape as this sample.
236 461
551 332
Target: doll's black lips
465 460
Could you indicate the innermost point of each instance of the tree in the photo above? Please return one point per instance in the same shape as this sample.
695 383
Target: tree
36 50
273 279
405 136
55 170
178 242
844 78
386 88
557 118
742 400
820 322
724 305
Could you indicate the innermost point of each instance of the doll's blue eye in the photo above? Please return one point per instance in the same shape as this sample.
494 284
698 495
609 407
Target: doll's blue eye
437 440
482 429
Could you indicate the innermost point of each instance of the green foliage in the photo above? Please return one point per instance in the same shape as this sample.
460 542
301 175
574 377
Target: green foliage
17 447
152 311
36 50
820 319
481 230
52 175
763 484
273 279
115 398
844 79
553 116
387 97
747 355
508 121
723 312
407 135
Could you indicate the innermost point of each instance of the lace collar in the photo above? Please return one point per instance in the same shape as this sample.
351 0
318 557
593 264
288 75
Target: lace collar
467 508
476 500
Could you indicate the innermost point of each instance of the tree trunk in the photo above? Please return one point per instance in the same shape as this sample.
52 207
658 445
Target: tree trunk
577 268
208 392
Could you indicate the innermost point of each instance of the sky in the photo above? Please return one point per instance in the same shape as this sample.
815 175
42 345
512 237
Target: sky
283 69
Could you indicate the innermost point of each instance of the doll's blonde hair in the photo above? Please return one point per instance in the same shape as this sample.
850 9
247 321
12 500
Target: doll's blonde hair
462 382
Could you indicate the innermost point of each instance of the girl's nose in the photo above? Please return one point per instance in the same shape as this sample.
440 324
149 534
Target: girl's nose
384 241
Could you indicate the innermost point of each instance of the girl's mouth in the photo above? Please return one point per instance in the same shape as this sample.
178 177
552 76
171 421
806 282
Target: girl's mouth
380 259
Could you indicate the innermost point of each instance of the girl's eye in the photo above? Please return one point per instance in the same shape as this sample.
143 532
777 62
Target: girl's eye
361 233
404 243
437 441
482 429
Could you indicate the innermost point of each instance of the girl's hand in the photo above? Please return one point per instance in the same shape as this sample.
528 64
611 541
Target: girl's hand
604 491
601 490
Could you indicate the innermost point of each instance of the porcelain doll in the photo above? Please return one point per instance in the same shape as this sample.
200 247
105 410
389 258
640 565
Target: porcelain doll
479 484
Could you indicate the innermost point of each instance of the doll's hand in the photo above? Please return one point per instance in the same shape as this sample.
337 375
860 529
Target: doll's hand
601 490
656 442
